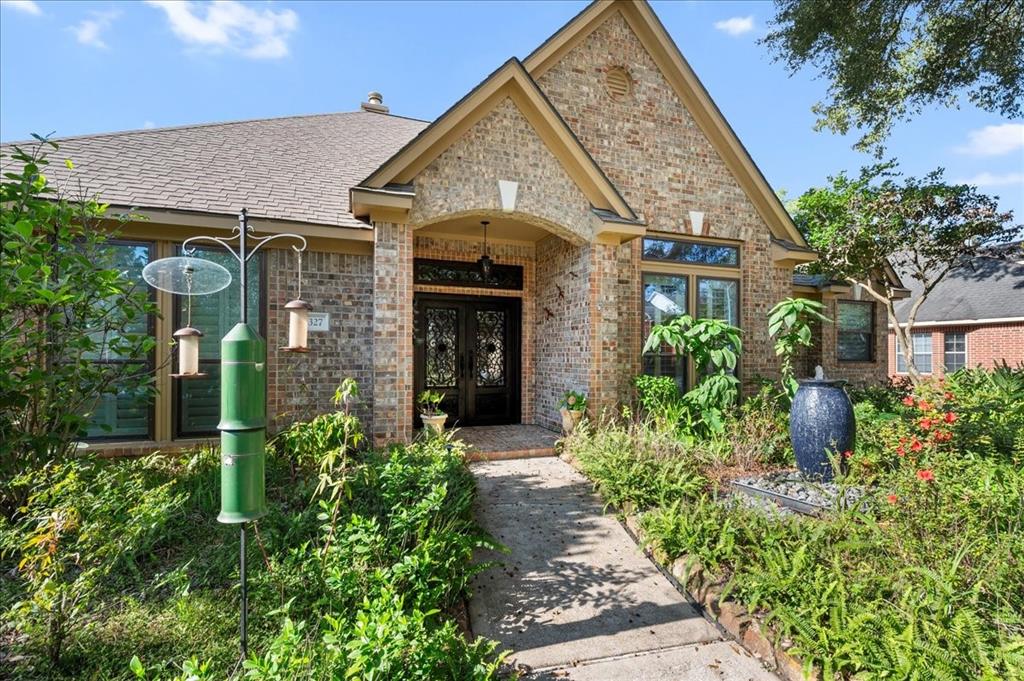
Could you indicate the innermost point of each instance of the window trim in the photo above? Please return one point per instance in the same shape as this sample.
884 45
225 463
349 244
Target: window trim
175 397
149 361
683 239
873 344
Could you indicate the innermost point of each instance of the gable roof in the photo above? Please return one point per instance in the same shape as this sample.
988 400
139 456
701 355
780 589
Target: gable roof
986 288
510 81
677 71
297 168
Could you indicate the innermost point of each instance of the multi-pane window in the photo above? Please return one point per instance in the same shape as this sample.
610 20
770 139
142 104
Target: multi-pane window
855 331
665 297
718 299
197 400
954 351
128 413
921 350
690 252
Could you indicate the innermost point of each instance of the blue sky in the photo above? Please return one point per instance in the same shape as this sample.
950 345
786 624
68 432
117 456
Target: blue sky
84 67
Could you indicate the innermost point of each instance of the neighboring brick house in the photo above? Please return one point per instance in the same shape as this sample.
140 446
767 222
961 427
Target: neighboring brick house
617 196
974 317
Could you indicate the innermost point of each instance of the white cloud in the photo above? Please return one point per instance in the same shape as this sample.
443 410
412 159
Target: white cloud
228 25
987 179
148 125
736 25
89 31
994 140
26 6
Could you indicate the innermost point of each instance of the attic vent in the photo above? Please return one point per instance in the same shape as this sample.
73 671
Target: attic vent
618 83
374 103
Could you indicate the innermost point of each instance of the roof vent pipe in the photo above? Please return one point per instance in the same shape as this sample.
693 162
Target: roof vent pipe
374 103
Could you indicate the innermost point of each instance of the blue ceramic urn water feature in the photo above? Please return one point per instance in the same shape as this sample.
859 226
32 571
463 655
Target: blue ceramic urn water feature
820 423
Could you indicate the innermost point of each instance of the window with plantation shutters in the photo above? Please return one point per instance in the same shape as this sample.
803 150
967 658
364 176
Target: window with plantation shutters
855 331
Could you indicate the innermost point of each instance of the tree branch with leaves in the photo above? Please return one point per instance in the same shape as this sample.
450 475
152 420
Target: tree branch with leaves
922 228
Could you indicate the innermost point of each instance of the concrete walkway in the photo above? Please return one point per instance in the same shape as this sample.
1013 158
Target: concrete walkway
576 598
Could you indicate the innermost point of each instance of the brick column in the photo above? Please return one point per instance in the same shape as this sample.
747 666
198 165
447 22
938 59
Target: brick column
604 327
392 332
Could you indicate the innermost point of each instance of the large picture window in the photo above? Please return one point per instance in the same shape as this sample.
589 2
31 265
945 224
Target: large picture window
855 331
921 350
197 400
128 413
954 356
665 297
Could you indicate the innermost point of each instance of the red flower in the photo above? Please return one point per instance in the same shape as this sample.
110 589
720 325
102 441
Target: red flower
923 405
916 445
950 417
943 436
925 475
948 396
892 499
901 451
847 454
908 401
925 423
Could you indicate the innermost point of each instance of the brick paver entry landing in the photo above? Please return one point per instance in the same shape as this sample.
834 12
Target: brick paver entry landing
575 598
489 443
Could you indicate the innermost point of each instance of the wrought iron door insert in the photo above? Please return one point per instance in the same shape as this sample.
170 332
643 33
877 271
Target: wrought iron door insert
469 350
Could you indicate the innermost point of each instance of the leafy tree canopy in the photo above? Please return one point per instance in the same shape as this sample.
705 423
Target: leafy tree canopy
924 228
888 59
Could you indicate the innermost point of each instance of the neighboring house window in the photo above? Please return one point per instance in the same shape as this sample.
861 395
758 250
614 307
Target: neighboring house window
855 336
665 297
128 413
921 350
954 351
197 400
682 276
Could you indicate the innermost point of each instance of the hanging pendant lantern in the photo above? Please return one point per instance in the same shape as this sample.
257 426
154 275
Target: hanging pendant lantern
298 316
485 261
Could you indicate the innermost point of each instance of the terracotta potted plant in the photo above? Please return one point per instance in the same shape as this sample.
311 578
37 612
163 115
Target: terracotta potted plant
572 408
430 411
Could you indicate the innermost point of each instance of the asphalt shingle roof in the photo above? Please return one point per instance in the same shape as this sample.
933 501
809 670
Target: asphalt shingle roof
298 168
989 288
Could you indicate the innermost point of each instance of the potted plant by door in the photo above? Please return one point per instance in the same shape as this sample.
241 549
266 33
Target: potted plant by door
430 411
572 408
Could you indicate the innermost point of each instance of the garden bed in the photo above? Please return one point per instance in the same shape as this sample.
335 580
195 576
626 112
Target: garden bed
920 578
358 571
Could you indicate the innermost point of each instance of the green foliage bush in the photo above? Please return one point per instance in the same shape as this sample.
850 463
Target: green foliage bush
356 580
922 580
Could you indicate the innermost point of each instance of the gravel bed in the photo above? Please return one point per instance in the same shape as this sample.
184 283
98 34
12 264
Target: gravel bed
793 485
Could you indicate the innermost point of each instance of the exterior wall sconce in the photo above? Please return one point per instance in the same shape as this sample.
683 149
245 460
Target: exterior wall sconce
188 353
509 191
696 222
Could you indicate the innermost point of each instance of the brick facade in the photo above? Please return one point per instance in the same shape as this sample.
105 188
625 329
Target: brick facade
300 386
987 345
392 332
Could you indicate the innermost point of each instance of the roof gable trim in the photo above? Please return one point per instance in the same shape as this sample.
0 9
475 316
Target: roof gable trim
677 71
511 81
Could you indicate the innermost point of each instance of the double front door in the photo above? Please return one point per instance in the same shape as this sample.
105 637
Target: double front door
468 349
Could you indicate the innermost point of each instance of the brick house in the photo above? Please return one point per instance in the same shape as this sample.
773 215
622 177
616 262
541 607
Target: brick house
974 317
616 195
